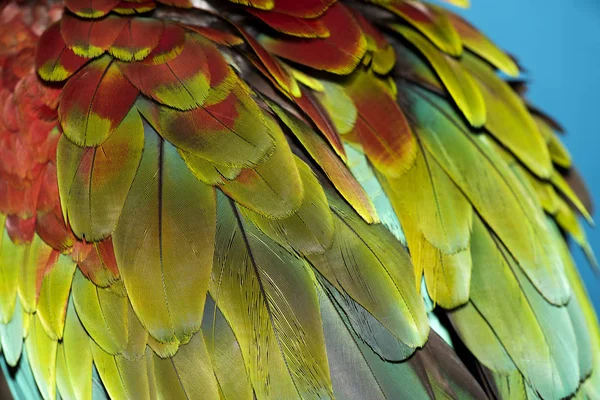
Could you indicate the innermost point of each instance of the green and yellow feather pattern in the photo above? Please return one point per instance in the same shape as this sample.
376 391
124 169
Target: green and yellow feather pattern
276 199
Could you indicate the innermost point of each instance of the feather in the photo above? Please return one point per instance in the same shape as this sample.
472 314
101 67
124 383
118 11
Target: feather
222 78
91 8
135 7
477 333
231 132
99 264
273 66
171 44
63 381
482 46
11 256
384 60
436 218
340 53
543 191
577 316
282 344
274 187
102 313
260 4
430 20
305 9
156 242
177 3
365 176
77 355
94 181
223 38
137 337
339 106
568 221
383 131
95 102
186 375
508 119
448 376
482 175
137 39
450 224
376 41
522 319
90 38
225 354
558 152
37 259
356 371
373 333
22 384
11 335
208 172
55 61
318 116
367 263
54 295
563 187
182 83
575 181
581 298
41 351
163 350
251 246
309 230
459 3
333 167
122 378
457 81
294 26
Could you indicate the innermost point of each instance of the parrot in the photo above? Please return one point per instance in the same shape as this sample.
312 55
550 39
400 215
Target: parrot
282 199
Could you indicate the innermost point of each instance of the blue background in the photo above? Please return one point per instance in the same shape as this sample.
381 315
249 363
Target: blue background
558 42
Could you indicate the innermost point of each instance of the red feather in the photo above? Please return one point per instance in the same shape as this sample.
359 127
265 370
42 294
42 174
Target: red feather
302 27
339 53
91 38
49 223
381 126
227 133
182 82
372 33
219 37
50 226
94 102
272 65
91 8
222 77
170 45
302 9
97 261
20 230
54 61
16 67
137 39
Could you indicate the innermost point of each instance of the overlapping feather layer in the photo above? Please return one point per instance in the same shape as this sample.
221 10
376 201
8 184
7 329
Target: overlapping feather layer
209 199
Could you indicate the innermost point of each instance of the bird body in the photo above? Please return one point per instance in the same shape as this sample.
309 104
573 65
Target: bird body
280 199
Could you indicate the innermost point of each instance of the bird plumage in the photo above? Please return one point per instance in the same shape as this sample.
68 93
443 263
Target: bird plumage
280 199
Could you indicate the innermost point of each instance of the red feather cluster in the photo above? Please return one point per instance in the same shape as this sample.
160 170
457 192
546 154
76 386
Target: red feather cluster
28 138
